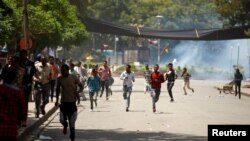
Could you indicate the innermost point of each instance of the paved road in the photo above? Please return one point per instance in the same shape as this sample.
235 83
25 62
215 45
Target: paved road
185 119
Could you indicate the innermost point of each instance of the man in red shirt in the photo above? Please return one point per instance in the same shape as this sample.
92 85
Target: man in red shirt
156 80
12 106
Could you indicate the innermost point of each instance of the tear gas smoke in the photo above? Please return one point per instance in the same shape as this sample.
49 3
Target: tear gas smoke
212 59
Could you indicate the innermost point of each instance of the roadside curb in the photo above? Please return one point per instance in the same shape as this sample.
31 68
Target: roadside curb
29 129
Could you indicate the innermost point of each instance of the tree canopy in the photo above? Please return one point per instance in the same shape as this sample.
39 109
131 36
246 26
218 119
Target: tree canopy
235 12
51 23
163 14
176 14
61 22
6 22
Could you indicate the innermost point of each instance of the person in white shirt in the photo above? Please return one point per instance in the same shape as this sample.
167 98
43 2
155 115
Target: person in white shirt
78 70
73 71
41 78
127 77
81 74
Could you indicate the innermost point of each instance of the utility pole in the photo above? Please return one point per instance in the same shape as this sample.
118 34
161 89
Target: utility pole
158 52
159 17
26 24
116 59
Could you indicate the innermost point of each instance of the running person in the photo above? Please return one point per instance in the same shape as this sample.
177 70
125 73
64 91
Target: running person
104 73
186 76
41 78
170 77
93 83
68 110
127 77
156 80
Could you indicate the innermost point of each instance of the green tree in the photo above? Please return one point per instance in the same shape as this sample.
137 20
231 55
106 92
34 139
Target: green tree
6 22
51 23
5 27
177 14
235 12
10 23
56 23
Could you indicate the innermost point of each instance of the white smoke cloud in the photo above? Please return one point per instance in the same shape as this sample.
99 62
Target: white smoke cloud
218 56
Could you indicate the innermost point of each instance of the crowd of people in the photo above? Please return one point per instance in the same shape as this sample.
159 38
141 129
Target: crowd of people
21 76
155 78
153 81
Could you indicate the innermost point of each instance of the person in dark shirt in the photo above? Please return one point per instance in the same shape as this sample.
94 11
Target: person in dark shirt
12 106
170 77
29 71
237 79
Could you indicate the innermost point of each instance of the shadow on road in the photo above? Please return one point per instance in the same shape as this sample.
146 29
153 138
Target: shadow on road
137 111
119 135
99 111
163 113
